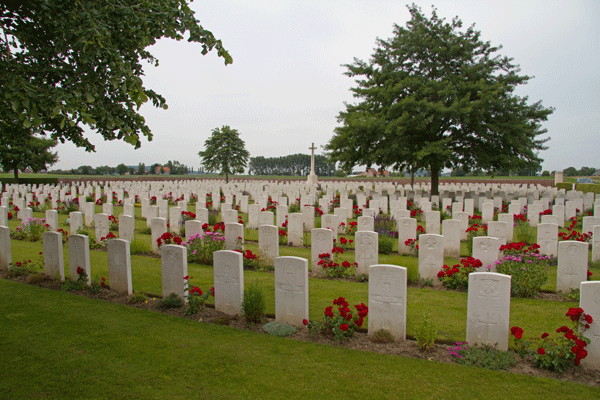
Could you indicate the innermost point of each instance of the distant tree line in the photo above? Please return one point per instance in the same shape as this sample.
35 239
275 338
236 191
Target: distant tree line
170 168
584 171
292 165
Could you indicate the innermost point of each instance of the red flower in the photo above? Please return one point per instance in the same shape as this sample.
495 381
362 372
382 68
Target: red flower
541 351
517 332
545 335
305 321
212 291
344 327
79 270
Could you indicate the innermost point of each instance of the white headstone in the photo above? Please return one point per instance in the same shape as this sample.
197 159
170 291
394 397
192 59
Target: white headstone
5 253
192 227
498 229
291 290
126 227
590 303
119 265
547 239
175 220
366 223
431 256
79 256
387 300
488 309
596 245
321 242
367 251
266 218
407 229
229 281
53 255
296 229
268 241
101 226
432 222
451 232
52 219
158 227
173 263
487 250
234 236
572 265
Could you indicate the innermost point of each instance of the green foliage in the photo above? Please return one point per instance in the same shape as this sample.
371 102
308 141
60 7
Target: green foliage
21 268
20 148
292 165
386 246
341 324
529 273
382 336
171 301
573 295
225 152
433 97
201 247
484 356
426 333
139 246
137 297
525 233
564 185
278 329
588 187
31 230
67 64
253 304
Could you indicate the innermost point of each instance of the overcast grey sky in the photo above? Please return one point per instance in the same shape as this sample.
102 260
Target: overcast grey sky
286 86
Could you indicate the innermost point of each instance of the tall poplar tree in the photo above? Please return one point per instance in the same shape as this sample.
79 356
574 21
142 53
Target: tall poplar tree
433 96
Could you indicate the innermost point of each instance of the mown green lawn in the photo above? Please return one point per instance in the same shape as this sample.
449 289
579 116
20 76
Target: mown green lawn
55 345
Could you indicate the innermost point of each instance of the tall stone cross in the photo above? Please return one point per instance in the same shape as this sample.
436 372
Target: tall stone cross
312 159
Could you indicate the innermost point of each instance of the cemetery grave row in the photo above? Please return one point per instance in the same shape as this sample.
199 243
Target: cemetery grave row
489 323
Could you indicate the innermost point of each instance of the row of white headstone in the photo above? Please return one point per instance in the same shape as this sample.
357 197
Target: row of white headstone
488 296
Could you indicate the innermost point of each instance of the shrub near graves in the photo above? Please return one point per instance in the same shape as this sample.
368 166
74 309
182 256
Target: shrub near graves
561 352
527 267
483 356
32 230
201 247
254 304
342 324
426 333
457 277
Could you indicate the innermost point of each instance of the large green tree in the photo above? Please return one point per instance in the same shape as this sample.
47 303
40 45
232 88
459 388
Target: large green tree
224 151
22 149
433 96
67 64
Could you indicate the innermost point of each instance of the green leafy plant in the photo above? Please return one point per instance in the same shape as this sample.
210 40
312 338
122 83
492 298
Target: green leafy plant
278 329
457 277
194 297
31 230
342 324
483 356
573 295
386 246
562 351
426 333
333 269
527 268
253 304
137 298
202 246
22 268
77 285
171 301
